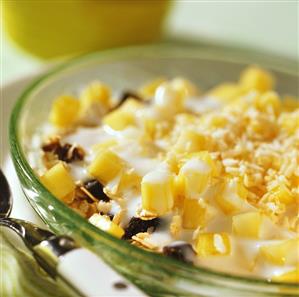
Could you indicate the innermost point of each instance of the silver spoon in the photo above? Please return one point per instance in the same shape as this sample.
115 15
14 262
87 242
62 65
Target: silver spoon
75 267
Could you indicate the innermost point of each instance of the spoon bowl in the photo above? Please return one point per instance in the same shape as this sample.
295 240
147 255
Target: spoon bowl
60 256
6 200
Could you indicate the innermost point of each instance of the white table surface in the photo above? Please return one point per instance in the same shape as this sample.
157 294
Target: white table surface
267 25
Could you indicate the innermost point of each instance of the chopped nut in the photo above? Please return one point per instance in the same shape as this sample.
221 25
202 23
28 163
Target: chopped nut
141 239
64 152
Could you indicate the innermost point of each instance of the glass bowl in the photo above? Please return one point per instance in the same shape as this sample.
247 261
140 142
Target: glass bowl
125 69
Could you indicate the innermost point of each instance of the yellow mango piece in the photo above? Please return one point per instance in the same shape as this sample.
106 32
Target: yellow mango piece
59 181
249 224
119 120
226 91
104 223
148 90
65 111
96 92
231 196
213 244
218 122
269 102
131 105
194 177
123 116
204 156
190 141
150 127
168 101
157 192
129 179
291 276
193 214
256 78
106 166
184 86
285 252
179 194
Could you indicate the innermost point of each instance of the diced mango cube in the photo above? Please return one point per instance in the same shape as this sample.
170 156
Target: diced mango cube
59 181
195 176
168 101
65 111
204 156
285 252
96 92
212 244
290 276
106 166
269 102
190 141
249 224
184 86
119 120
129 179
148 90
193 214
257 78
104 223
131 105
231 196
123 116
157 191
178 192
218 122
226 91
149 126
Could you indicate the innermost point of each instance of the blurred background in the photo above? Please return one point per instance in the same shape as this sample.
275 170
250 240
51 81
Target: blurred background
38 32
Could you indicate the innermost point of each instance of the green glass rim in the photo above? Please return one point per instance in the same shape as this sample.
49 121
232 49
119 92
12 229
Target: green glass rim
21 163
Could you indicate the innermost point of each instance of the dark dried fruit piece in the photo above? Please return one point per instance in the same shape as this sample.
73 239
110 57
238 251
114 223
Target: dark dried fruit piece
95 188
137 225
180 250
64 152
126 95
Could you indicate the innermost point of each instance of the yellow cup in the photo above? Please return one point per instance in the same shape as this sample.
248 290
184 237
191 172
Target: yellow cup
57 28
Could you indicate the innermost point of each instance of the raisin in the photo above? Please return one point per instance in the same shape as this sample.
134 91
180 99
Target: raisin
137 225
95 188
66 152
180 250
126 95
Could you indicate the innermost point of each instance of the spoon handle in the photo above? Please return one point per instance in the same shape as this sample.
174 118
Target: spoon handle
92 276
81 269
